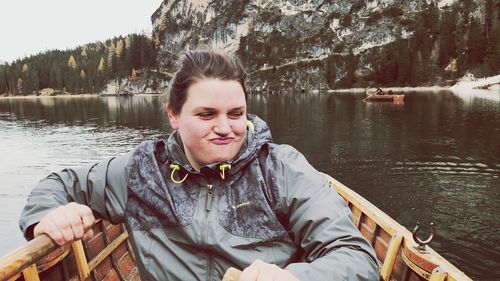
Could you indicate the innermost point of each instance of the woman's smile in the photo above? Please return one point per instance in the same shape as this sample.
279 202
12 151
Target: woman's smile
221 141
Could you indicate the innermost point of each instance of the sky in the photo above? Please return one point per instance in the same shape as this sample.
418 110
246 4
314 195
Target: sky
31 26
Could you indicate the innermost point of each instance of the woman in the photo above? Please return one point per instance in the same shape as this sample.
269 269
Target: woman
215 193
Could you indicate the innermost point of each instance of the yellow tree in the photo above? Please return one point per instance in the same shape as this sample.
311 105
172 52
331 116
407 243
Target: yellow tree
83 54
102 66
133 75
71 62
119 48
25 68
452 67
82 74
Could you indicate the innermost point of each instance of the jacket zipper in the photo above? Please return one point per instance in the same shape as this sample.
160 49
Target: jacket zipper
210 196
208 207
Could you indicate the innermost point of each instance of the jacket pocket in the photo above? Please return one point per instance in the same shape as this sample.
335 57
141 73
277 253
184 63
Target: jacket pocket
247 213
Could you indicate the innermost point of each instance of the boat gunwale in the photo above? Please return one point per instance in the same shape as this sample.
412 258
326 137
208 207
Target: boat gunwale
391 226
22 259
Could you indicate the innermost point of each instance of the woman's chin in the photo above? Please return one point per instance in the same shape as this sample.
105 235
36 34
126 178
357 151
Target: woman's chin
222 158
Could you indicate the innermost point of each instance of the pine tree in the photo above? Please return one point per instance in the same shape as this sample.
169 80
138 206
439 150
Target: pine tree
111 61
72 63
452 68
53 76
102 66
492 58
403 59
3 80
34 81
475 44
19 86
128 40
25 68
83 54
119 48
133 75
447 41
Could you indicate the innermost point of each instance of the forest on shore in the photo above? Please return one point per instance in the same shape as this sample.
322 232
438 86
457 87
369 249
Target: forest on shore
85 69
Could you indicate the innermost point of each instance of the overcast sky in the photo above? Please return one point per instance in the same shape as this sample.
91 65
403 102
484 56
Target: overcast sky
31 26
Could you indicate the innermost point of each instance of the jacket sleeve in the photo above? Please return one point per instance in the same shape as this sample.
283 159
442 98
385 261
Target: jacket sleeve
101 186
320 224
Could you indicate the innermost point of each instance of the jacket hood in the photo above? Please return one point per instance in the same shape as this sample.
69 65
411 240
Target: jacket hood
258 134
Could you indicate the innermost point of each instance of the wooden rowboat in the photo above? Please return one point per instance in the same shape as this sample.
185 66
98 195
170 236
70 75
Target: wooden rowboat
372 96
108 255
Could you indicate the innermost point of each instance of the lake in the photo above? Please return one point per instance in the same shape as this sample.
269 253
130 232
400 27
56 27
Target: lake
436 157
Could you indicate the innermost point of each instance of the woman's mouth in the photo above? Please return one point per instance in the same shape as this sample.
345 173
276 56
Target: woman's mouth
221 141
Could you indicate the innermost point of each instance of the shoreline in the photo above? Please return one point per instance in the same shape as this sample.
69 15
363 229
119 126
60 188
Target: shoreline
396 89
70 96
457 90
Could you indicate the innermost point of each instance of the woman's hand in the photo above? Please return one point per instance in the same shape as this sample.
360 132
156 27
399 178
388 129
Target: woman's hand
67 223
262 271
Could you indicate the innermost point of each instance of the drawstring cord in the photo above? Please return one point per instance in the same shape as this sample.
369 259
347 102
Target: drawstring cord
251 126
223 169
174 168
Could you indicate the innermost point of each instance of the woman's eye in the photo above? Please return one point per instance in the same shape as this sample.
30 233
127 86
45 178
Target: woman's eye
235 114
205 115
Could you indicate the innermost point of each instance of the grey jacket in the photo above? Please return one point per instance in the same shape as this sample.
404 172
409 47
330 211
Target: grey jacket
270 204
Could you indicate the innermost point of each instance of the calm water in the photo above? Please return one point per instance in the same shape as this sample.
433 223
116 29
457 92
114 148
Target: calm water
434 158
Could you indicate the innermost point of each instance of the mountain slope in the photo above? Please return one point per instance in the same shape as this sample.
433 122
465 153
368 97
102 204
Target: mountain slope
331 44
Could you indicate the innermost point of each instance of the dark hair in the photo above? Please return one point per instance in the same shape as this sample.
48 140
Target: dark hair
202 64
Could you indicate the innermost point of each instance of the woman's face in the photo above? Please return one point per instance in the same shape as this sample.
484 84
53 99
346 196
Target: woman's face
212 122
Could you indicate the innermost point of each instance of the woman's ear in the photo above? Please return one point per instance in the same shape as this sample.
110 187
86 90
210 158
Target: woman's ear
172 117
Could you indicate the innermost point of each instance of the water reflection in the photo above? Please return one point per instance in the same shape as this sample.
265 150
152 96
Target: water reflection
134 112
434 158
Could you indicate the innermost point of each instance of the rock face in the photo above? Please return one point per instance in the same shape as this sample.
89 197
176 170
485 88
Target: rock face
147 82
318 44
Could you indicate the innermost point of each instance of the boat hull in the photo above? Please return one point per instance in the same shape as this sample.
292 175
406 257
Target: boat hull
110 256
386 97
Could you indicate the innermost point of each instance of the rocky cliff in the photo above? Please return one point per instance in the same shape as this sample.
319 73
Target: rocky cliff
327 44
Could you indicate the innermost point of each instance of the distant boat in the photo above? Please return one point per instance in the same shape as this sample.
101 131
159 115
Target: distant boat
383 96
108 255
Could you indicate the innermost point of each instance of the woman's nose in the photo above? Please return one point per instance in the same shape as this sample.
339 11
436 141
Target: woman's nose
222 126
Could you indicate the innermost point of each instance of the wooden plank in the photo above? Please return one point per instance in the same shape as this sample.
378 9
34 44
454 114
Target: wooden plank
95 245
59 255
15 277
81 260
31 273
356 215
113 231
380 246
390 258
415 268
111 276
369 229
438 274
120 251
104 253
103 269
126 265
24 256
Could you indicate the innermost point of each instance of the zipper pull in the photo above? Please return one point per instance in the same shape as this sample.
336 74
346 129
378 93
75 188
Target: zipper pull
210 195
